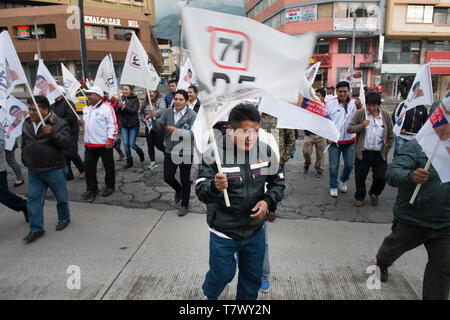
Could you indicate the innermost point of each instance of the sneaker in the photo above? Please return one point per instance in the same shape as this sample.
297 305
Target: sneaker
152 165
343 187
265 286
319 174
183 211
334 192
358 203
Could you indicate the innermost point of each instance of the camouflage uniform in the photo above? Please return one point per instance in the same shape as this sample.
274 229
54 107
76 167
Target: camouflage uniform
286 137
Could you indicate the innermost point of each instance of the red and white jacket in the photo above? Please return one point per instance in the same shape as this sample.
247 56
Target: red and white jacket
342 119
100 125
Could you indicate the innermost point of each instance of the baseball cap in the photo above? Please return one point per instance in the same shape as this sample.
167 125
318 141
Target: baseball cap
96 90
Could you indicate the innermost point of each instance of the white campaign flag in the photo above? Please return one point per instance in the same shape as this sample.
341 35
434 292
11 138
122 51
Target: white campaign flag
434 138
230 49
71 84
311 73
115 85
11 71
11 119
45 85
187 76
105 77
421 93
137 69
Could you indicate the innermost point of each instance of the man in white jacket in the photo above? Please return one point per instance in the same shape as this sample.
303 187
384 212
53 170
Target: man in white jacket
341 111
100 130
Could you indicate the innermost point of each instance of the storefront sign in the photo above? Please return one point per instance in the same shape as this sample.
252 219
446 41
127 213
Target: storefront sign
109 21
439 62
324 59
301 14
362 24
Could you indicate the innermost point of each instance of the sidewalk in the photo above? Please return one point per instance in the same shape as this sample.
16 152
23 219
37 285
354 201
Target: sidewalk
149 254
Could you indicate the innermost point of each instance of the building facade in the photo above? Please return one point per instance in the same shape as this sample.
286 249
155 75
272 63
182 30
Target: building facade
416 32
107 31
165 45
333 22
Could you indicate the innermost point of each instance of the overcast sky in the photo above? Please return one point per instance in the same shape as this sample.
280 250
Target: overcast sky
166 7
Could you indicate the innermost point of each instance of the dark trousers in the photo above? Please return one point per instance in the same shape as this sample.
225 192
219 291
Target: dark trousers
117 144
154 139
371 160
404 237
8 198
90 162
72 156
170 169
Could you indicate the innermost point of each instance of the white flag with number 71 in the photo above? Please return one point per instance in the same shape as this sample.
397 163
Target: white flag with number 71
229 49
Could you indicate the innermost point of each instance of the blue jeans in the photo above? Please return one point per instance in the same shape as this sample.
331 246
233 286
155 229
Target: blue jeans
38 183
222 265
399 142
129 136
266 265
334 153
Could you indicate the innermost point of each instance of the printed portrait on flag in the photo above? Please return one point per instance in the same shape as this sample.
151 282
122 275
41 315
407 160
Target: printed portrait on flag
417 91
440 120
310 73
44 87
12 120
7 76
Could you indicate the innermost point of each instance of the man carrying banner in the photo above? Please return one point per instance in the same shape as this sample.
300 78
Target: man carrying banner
341 110
43 149
65 112
100 130
248 164
425 222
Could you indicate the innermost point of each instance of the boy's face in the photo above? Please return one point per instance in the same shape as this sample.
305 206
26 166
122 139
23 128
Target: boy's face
245 136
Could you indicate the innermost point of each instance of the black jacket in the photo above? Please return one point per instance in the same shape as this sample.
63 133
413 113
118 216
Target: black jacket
197 106
130 114
42 152
414 118
63 111
246 184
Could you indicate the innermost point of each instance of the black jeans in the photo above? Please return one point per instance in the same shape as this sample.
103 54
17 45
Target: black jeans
8 198
404 237
90 162
154 139
170 169
72 156
374 160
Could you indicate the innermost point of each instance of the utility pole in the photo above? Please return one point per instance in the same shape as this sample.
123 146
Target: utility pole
82 43
353 41
37 39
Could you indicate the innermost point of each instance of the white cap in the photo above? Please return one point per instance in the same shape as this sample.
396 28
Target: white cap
96 90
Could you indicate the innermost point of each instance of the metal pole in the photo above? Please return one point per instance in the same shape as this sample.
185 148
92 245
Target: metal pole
37 39
353 41
82 43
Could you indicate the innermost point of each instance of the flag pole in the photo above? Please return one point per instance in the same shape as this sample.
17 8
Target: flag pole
71 108
427 167
34 101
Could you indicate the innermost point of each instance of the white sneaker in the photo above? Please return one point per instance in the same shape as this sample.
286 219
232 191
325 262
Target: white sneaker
343 187
334 192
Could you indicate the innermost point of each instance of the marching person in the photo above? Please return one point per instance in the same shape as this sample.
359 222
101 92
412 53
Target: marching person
113 102
341 111
178 121
374 139
153 137
330 94
43 153
62 110
319 142
172 89
8 198
425 222
240 227
129 110
194 103
100 130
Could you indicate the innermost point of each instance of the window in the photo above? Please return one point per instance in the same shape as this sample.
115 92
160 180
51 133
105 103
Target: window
401 52
362 45
44 31
438 45
322 46
276 21
166 69
96 32
419 14
361 9
442 16
124 34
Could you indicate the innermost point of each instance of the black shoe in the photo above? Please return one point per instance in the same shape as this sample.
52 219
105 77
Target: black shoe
33 236
108 191
305 170
62 225
129 163
89 195
183 211
25 213
319 174
384 275
141 155
177 197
